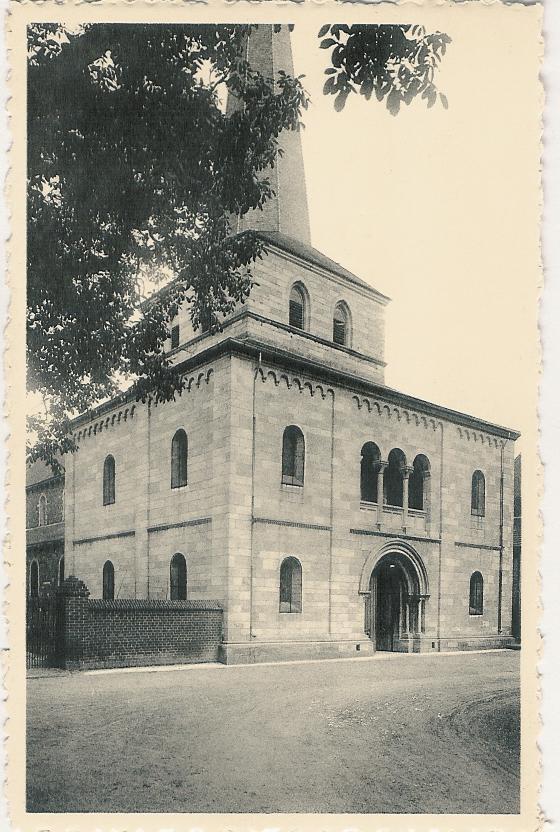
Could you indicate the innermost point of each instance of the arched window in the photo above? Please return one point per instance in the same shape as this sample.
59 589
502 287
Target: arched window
476 594
369 467
34 579
341 325
298 306
108 581
179 458
416 483
61 571
42 510
290 585
109 481
478 494
393 479
293 456
178 578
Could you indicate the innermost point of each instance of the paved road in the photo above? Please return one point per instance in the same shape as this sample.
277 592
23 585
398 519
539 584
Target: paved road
391 734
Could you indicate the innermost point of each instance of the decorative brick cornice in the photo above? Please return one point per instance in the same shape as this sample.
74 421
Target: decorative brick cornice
285 360
477 436
396 413
303 385
151 604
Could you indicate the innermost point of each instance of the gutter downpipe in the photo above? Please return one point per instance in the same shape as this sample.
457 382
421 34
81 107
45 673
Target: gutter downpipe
253 462
500 569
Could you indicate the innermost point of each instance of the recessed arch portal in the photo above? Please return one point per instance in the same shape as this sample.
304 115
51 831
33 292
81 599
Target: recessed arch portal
394 582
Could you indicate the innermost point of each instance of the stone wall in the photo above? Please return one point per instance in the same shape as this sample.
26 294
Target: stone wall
235 521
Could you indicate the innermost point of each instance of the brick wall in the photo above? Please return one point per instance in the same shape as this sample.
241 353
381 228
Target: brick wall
133 632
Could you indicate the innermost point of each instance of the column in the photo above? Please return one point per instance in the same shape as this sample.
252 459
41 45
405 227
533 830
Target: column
406 472
380 473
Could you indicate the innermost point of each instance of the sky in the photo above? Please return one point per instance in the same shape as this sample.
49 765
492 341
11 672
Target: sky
438 209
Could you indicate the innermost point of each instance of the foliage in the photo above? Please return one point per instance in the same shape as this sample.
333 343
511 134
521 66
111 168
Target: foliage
396 62
134 168
133 171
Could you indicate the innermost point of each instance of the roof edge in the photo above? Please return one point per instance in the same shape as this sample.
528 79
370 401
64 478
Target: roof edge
254 349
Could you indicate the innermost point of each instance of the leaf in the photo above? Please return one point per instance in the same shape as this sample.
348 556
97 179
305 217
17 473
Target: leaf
325 44
367 88
329 85
323 30
330 70
393 102
340 100
444 100
432 98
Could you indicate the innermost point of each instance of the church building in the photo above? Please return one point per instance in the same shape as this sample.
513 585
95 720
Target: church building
330 515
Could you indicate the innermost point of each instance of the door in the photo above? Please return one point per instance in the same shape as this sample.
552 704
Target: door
388 607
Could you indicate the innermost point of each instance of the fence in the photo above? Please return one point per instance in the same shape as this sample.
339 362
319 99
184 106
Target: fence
44 632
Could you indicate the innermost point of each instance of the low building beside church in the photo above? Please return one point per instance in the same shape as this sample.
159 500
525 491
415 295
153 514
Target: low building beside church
44 524
329 514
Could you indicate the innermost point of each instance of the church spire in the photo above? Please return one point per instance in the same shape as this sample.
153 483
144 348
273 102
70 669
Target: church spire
269 51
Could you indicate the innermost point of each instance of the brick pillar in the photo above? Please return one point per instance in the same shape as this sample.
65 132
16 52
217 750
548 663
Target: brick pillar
75 595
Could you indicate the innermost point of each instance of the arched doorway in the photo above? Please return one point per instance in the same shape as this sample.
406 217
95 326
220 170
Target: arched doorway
395 585
389 587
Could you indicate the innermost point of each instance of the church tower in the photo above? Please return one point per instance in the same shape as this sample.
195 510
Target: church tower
269 51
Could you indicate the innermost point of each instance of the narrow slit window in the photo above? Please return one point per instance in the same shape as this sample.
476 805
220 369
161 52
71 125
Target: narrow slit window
476 594
108 581
109 481
178 578
293 456
290 585
478 494
43 518
179 459
175 337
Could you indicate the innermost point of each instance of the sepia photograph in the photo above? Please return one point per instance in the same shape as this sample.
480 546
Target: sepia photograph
280 298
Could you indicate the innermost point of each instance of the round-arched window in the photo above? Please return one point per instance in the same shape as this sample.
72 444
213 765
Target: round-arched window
178 578
341 325
298 311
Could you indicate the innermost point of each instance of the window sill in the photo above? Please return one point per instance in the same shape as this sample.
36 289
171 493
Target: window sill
476 614
367 506
292 486
393 509
175 488
289 612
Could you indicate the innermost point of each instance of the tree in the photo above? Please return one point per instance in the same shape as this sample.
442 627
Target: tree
398 62
133 167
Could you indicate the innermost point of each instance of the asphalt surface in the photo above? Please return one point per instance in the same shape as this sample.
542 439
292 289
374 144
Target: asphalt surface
399 734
